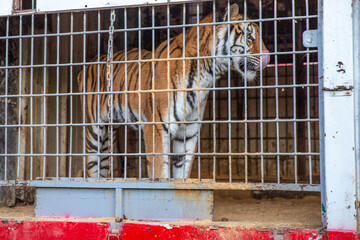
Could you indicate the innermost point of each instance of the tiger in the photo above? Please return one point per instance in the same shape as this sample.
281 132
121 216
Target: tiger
169 119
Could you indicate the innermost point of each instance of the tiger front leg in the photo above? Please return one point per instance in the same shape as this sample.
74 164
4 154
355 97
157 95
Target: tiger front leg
96 142
182 163
160 167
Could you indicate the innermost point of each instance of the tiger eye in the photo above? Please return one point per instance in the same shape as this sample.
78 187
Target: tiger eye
251 38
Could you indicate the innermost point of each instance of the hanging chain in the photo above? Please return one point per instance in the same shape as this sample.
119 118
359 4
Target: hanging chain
109 78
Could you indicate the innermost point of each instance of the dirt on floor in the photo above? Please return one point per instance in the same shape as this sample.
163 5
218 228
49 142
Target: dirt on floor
237 208
26 211
285 211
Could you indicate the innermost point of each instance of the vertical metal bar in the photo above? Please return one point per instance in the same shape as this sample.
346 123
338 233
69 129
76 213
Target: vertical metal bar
184 81
20 161
140 57
229 89
71 91
261 105
126 89
321 113
153 87
168 80
119 203
99 149
198 85
44 98
57 91
277 95
294 91
213 92
31 98
308 95
84 91
356 29
110 89
6 99
246 110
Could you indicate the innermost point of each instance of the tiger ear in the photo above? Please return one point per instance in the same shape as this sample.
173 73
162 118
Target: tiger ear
234 11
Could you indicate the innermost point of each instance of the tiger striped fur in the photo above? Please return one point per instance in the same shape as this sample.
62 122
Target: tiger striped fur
163 107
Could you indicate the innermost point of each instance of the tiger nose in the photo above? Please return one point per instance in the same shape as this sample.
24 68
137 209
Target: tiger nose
265 59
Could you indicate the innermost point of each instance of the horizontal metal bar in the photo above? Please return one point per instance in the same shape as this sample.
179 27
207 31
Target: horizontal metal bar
156 154
152 60
161 184
155 27
70 5
160 90
164 122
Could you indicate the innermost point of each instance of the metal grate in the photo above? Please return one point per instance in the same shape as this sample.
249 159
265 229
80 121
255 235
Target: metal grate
260 134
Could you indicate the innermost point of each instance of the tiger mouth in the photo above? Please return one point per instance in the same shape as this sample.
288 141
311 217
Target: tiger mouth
249 67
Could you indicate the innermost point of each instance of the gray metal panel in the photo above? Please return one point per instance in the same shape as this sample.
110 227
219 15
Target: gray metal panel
136 204
78 203
168 205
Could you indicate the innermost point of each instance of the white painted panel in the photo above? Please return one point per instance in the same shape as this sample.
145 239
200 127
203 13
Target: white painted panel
55 5
338 34
5 7
339 127
340 162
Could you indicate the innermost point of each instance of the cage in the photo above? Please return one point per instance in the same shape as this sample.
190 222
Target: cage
272 113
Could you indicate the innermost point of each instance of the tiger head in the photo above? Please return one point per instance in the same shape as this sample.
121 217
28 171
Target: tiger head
236 43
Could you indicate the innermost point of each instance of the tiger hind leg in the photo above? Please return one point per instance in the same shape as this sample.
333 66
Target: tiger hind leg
158 165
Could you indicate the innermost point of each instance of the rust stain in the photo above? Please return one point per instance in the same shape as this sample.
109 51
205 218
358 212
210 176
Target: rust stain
340 64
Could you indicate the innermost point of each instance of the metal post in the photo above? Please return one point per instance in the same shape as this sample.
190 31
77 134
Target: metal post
356 25
336 74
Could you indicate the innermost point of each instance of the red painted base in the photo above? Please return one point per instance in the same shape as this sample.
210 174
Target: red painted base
64 230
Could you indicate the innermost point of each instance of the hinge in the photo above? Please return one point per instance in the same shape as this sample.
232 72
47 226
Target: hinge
17 5
339 88
310 38
339 91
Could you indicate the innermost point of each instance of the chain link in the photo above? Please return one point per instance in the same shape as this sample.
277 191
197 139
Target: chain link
109 78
